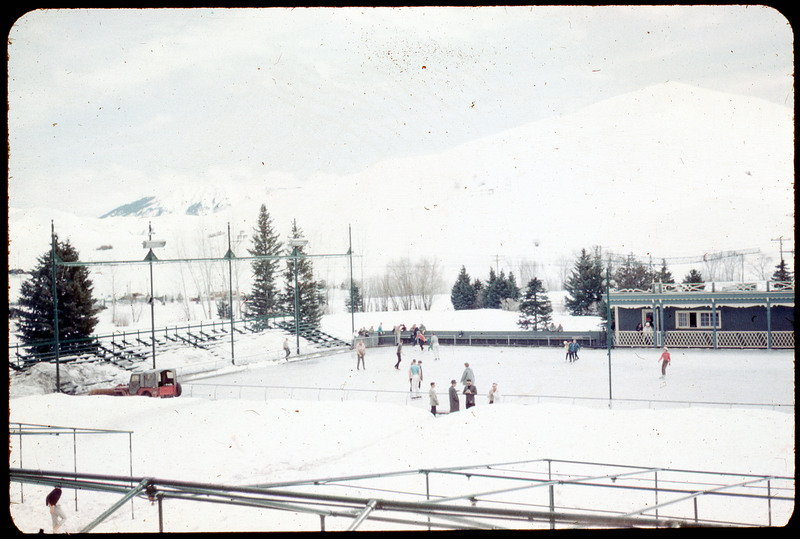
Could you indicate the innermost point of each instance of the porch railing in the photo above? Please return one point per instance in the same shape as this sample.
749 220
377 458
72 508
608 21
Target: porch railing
705 339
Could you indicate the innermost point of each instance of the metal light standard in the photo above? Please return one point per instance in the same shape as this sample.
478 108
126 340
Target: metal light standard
55 306
151 257
608 329
296 243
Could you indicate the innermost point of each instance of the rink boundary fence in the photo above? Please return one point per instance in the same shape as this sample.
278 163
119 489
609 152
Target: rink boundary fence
252 391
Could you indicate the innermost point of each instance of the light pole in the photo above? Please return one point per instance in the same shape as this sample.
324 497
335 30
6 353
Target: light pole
55 305
150 244
296 243
608 330
230 256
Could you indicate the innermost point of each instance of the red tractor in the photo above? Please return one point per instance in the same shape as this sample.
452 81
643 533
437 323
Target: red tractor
152 383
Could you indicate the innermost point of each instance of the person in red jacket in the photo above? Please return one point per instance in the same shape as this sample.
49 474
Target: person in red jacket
664 359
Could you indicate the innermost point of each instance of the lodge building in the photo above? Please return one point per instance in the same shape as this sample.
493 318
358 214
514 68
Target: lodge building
705 315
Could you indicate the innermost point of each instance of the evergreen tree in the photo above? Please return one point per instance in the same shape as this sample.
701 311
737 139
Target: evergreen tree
308 290
264 298
356 305
512 291
477 284
663 275
693 276
782 272
535 307
632 274
492 293
463 295
585 285
76 310
223 309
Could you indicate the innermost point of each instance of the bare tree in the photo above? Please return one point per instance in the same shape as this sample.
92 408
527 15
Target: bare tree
428 281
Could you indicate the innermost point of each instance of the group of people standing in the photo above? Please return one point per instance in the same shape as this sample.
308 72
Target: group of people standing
469 391
571 349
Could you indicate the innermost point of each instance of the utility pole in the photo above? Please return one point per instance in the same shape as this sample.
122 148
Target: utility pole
779 239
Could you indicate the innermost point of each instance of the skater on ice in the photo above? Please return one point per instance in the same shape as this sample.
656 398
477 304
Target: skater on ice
467 374
575 347
435 346
399 355
566 351
434 398
413 377
286 349
453 397
419 383
361 351
470 391
493 394
665 360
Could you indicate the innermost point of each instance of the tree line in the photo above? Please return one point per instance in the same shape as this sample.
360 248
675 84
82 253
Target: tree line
404 285
585 286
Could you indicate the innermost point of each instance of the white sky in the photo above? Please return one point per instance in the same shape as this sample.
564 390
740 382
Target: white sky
102 102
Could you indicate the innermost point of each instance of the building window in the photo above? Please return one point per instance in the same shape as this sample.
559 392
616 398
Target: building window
697 320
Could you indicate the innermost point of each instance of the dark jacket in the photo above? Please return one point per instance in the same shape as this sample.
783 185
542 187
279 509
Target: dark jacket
453 399
470 391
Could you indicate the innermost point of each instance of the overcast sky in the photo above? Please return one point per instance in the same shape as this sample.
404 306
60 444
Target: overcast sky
109 101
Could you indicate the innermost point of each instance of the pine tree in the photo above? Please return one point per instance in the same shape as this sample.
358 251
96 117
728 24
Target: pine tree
463 294
535 307
663 275
632 274
308 290
264 298
492 291
478 285
356 305
782 272
694 277
76 310
585 284
512 290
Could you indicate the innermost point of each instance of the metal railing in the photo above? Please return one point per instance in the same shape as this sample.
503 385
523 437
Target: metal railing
261 392
705 339
135 345
533 494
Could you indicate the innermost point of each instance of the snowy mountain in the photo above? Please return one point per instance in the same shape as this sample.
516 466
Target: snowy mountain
671 170
188 202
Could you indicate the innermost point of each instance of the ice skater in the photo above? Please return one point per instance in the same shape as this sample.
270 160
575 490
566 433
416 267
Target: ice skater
419 383
467 374
413 378
286 349
665 360
361 351
470 391
434 398
453 397
567 353
435 346
399 355
494 396
575 347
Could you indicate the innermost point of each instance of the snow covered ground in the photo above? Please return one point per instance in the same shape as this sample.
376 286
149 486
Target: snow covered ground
363 421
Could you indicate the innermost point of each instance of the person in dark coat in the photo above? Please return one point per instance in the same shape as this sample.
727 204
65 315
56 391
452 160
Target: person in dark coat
453 397
470 391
